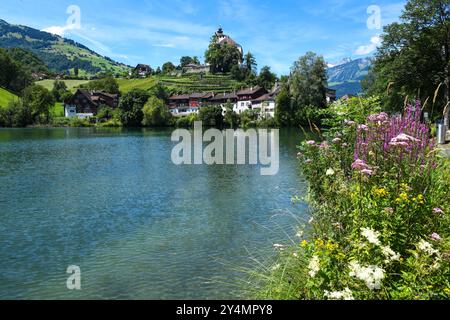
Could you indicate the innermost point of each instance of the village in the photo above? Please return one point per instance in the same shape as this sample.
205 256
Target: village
86 103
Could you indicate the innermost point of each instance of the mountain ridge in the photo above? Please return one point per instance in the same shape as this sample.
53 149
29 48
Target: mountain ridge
346 78
61 55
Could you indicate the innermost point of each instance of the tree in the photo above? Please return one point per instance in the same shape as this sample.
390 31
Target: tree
184 61
283 111
211 116
161 92
308 81
60 91
108 84
413 59
250 63
16 114
266 78
249 118
39 100
231 118
131 105
222 57
156 113
168 67
13 75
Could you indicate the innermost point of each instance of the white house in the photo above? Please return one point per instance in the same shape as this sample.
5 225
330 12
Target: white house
246 98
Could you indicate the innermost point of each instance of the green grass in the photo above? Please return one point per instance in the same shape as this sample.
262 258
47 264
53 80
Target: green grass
72 85
6 97
57 110
188 83
126 85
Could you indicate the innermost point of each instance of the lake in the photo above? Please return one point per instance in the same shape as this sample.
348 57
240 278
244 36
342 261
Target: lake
111 202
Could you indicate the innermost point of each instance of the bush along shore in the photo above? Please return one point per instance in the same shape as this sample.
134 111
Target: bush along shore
379 194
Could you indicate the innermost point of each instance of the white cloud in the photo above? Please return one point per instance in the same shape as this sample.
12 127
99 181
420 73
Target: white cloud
58 30
367 49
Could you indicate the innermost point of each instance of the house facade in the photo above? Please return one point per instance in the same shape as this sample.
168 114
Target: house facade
142 70
85 104
256 98
245 98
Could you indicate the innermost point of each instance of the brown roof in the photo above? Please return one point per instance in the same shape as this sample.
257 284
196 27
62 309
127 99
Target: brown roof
224 96
179 97
265 97
248 91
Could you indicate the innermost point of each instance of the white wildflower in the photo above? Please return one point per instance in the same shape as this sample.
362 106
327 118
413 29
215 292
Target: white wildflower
371 275
330 172
426 247
371 235
390 254
314 266
276 267
346 294
299 234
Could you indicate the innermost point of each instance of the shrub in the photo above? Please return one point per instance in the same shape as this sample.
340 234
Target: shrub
379 229
156 113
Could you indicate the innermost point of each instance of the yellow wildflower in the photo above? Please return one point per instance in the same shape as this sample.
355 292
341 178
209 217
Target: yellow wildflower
380 192
319 243
304 243
447 290
330 246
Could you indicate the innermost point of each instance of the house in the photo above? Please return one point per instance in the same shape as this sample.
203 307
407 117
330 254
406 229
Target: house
331 95
246 98
256 98
186 104
142 70
267 102
223 99
225 39
85 104
37 76
193 68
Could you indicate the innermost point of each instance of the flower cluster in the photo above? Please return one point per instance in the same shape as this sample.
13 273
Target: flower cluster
362 167
314 266
399 138
426 247
346 294
371 275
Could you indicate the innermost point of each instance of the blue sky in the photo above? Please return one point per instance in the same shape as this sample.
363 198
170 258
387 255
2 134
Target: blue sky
156 31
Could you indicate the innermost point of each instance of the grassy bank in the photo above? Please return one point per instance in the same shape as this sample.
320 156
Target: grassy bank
72 85
6 97
380 201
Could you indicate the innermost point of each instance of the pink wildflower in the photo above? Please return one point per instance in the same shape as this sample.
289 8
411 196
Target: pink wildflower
436 237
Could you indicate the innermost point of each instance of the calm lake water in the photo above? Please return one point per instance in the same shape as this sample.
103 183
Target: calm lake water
111 202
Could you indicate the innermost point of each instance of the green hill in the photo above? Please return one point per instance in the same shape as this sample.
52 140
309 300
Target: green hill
184 84
59 54
6 97
72 85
